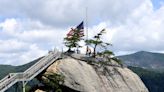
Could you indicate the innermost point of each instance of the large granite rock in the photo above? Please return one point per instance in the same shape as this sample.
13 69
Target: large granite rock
83 77
38 90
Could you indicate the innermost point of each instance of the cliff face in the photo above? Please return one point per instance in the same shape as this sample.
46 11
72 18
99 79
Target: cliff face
83 77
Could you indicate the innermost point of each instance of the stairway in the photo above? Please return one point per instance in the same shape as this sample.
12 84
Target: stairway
30 73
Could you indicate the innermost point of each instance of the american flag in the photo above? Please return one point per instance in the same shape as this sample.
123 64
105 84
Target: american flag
71 32
79 28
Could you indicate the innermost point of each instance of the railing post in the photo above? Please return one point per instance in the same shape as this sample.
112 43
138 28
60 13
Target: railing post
23 82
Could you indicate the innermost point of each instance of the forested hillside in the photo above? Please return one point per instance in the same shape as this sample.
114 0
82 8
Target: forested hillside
153 80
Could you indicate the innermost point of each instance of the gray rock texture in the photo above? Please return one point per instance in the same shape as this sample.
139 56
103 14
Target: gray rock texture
38 90
83 77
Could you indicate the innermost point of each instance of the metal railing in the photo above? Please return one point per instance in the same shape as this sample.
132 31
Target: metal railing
30 73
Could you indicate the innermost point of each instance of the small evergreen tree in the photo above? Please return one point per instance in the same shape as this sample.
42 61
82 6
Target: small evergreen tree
105 53
97 41
109 55
73 40
52 82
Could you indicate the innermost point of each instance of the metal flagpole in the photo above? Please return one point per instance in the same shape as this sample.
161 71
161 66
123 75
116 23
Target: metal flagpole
86 12
87 23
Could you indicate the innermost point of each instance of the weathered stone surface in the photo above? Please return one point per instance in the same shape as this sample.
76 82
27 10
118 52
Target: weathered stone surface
38 90
83 77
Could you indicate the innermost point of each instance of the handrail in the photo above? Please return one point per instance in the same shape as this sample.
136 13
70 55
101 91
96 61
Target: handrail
30 73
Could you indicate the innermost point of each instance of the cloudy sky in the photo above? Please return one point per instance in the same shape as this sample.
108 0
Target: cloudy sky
29 28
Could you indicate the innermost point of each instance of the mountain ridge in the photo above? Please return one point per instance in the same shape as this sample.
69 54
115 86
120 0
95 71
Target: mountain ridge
144 59
6 69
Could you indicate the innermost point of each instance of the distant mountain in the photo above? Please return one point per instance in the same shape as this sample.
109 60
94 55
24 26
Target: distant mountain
147 60
149 66
6 69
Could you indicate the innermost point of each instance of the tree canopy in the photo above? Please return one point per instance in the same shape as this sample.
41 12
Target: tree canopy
97 42
72 41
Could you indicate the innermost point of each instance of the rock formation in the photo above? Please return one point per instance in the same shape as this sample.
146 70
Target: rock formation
38 90
83 77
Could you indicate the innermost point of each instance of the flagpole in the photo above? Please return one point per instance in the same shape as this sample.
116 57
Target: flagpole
86 19
86 23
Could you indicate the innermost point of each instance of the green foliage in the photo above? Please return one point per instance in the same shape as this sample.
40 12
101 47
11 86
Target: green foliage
107 57
53 81
72 41
28 88
117 60
153 80
106 54
97 42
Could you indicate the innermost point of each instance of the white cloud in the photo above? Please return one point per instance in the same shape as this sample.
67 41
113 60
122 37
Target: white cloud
65 13
31 28
33 53
141 33
10 46
22 57
24 40
9 26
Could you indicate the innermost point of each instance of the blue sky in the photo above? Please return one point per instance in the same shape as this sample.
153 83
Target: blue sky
157 3
28 31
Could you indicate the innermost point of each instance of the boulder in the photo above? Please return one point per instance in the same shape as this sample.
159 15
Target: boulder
83 77
38 90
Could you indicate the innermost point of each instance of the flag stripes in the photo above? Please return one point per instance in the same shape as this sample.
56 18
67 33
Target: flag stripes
79 29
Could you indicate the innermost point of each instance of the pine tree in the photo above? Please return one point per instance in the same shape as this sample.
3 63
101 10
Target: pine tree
97 42
73 40
105 53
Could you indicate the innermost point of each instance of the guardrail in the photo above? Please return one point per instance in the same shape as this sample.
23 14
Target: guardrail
30 73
